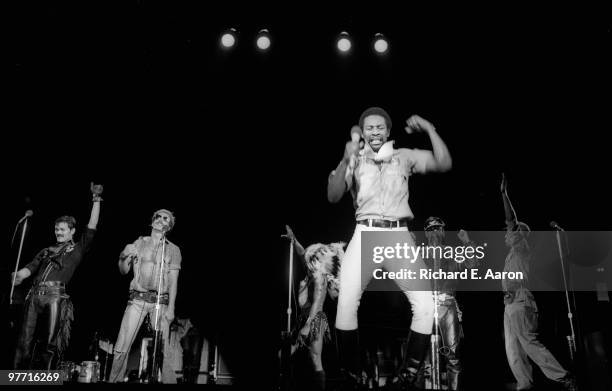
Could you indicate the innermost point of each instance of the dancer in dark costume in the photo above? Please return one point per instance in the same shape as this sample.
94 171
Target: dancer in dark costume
48 301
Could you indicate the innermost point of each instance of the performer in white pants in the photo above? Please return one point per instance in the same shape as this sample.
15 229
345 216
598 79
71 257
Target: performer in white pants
377 177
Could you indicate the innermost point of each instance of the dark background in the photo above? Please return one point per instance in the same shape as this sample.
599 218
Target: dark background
138 96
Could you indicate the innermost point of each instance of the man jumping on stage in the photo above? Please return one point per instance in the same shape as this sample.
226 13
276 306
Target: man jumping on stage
521 311
144 257
48 303
377 177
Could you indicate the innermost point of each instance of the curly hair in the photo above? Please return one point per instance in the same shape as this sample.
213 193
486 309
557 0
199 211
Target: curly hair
375 111
332 266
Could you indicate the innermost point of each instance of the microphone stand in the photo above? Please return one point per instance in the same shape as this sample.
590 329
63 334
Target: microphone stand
435 343
286 343
25 224
571 339
290 287
155 365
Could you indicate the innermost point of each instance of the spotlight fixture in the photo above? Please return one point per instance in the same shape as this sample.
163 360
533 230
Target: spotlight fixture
381 45
263 39
228 39
344 42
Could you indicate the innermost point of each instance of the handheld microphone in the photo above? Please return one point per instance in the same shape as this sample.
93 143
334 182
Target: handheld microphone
554 225
28 213
355 134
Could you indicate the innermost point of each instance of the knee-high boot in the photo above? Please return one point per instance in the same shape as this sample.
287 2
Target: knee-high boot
350 355
318 381
415 352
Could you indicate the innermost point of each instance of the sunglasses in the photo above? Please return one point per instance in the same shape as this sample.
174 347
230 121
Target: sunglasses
436 228
163 217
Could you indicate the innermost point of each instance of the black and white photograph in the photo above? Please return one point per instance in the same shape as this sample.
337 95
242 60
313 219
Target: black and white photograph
299 197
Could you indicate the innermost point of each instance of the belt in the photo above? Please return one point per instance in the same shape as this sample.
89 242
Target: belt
380 223
150 297
58 284
42 290
445 296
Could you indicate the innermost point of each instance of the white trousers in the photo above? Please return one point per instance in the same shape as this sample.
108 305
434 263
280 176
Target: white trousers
353 283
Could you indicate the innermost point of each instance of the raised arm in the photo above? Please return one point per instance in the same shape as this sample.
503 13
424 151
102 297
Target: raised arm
299 249
96 191
336 183
472 262
291 236
511 220
440 160
320 292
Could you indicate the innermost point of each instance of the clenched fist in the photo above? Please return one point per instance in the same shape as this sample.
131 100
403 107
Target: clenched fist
96 191
418 124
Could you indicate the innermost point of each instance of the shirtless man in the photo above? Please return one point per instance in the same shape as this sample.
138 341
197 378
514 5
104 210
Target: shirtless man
144 257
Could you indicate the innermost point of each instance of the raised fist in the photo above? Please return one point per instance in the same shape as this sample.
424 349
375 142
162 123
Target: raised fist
463 236
96 191
418 124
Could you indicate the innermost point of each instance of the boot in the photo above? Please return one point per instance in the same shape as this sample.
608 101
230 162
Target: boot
569 383
318 381
348 346
415 352
452 378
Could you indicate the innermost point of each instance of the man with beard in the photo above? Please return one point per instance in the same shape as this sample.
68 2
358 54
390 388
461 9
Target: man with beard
144 257
48 306
377 178
521 311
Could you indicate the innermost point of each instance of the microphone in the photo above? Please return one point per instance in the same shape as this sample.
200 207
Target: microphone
28 213
355 134
554 225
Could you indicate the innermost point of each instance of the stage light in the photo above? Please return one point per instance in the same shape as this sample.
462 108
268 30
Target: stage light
263 39
228 39
344 42
380 43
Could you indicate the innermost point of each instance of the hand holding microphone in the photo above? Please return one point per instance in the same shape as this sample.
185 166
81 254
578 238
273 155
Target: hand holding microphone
352 147
355 134
130 253
289 235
